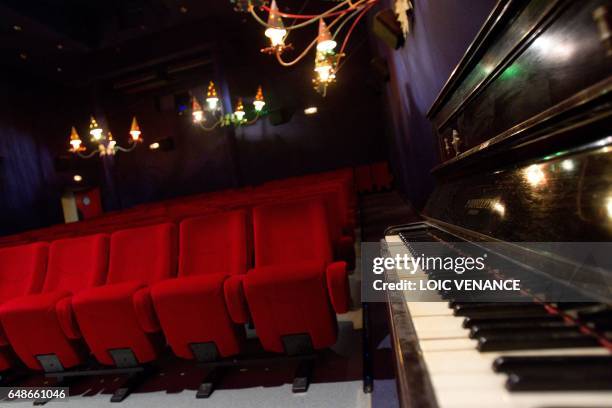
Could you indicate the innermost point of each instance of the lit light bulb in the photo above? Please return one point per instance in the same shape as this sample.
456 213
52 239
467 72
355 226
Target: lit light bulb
258 105
212 103
197 116
76 144
78 178
276 36
324 72
326 46
154 146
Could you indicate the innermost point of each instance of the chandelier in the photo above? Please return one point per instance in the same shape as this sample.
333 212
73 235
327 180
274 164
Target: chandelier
212 111
327 61
106 145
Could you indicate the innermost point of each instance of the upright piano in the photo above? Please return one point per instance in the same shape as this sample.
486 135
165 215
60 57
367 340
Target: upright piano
524 134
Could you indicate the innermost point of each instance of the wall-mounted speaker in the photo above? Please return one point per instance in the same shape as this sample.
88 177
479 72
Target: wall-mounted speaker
387 28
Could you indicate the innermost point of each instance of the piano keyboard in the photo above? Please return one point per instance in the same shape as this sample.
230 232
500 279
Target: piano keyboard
508 354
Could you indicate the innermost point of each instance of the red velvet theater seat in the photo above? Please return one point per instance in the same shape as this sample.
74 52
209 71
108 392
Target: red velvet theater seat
43 324
118 317
192 309
22 271
295 288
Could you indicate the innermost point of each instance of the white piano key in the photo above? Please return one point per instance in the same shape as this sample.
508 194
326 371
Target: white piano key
471 361
418 309
488 396
447 344
439 327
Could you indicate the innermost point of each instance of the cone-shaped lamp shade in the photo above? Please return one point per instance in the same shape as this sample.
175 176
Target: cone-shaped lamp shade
259 101
135 130
276 31
325 43
211 96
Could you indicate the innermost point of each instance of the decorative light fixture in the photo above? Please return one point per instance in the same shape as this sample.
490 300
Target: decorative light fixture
327 60
239 112
211 96
259 101
276 31
106 146
213 111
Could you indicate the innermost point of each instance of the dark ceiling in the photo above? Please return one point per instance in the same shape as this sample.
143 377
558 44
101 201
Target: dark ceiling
134 45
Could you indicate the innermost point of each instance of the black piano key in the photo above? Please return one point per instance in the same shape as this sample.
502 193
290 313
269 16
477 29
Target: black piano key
558 327
560 381
468 322
510 324
598 318
501 310
571 306
535 341
552 364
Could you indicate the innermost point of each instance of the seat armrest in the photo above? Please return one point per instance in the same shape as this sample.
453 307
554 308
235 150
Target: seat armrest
67 319
235 299
338 286
145 312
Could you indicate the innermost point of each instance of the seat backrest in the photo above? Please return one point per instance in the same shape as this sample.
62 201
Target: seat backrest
291 231
215 243
77 263
22 269
147 254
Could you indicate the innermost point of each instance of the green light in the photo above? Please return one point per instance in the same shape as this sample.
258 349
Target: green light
511 72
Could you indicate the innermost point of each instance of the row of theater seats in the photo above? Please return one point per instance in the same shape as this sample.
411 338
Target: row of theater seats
338 187
192 284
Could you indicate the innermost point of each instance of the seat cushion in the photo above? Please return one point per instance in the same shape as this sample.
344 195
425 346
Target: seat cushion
108 320
192 310
32 326
291 299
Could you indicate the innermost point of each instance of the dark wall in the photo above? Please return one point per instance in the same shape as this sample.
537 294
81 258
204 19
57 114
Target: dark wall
441 32
28 197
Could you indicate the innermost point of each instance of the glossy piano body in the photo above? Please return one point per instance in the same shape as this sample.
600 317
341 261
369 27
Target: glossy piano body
524 131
